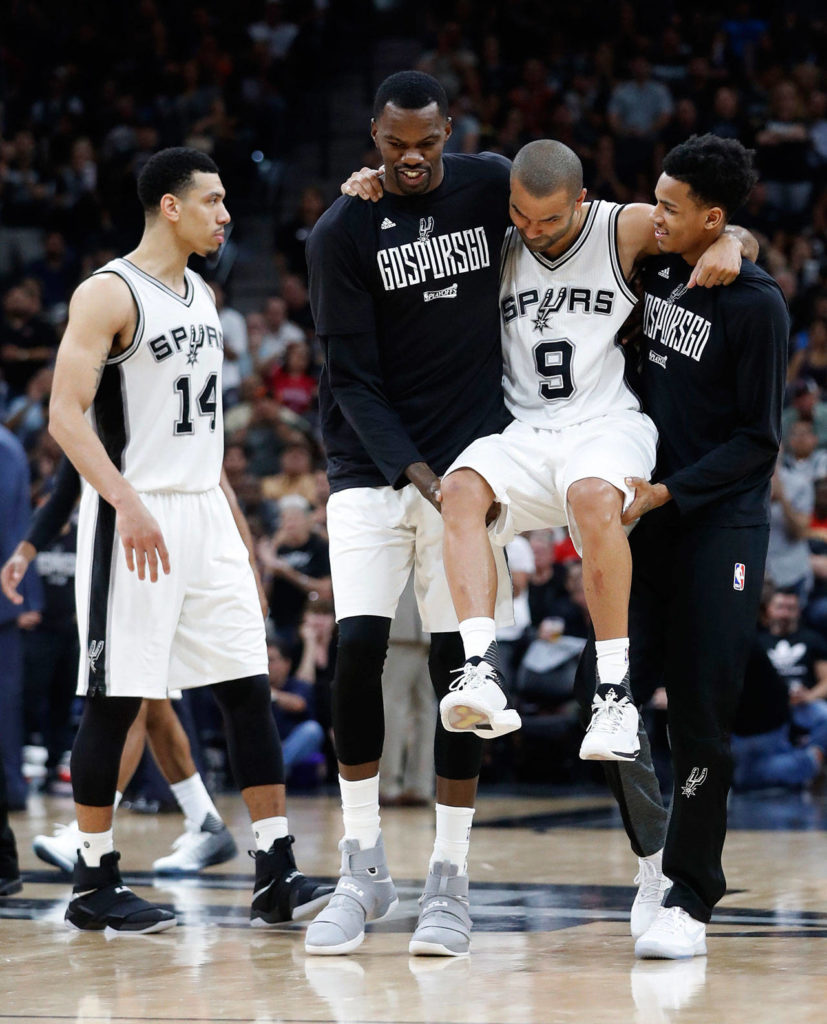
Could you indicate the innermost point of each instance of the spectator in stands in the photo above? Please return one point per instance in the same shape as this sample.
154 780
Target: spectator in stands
805 404
296 476
291 382
762 748
784 150
791 505
237 363
811 361
27 342
293 697
639 109
278 333
291 237
799 655
57 272
295 567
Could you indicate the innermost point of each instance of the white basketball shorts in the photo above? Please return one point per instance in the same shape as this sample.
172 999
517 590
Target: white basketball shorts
377 535
201 624
530 469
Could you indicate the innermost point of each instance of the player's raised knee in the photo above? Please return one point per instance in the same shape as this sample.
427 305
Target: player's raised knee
595 503
465 493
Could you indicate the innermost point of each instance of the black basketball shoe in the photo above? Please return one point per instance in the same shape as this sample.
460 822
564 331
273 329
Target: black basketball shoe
282 893
101 902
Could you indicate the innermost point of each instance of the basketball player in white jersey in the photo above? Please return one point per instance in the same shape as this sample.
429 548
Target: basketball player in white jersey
136 406
577 433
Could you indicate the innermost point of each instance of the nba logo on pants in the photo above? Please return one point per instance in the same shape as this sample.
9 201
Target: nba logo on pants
738 578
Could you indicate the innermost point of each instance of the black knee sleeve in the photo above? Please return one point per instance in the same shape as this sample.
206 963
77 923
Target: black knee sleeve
456 756
253 743
358 711
96 753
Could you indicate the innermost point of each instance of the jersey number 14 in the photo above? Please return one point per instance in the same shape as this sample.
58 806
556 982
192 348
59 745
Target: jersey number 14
206 404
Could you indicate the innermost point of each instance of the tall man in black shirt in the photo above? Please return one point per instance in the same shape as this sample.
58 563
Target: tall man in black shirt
404 295
713 379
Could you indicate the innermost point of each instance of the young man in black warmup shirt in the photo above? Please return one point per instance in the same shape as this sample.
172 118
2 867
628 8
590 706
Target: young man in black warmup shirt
404 295
713 366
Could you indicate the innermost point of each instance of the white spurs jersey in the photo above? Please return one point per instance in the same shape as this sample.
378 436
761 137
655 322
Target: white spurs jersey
559 320
158 407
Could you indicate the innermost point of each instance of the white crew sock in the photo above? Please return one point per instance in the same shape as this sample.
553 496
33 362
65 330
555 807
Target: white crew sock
267 830
360 810
612 660
453 836
477 636
194 800
93 846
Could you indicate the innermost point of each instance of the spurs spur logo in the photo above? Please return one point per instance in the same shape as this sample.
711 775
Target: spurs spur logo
95 651
196 342
697 777
426 226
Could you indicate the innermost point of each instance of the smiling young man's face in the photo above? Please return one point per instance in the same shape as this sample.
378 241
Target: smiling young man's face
683 223
410 143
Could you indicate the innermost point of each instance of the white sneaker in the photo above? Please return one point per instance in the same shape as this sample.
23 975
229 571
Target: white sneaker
652 887
198 848
476 703
612 733
61 848
675 935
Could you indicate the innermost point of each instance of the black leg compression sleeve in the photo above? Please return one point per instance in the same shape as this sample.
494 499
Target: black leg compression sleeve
253 742
96 754
358 711
456 756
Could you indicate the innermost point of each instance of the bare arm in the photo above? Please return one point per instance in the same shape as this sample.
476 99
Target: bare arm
244 529
15 569
101 309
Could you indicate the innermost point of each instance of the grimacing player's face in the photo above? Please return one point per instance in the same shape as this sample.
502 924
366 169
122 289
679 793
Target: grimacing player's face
410 143
545 221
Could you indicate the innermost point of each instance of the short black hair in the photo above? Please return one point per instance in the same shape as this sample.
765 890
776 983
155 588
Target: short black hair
718 171
171 170
410 90
545 166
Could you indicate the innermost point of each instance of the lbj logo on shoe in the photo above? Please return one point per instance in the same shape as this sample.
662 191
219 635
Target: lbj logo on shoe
739 576
697 777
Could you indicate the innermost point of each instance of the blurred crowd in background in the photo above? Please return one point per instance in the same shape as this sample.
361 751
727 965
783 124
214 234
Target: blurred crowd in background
620 83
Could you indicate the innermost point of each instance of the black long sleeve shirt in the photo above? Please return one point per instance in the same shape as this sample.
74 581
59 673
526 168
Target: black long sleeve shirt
713 372
404 297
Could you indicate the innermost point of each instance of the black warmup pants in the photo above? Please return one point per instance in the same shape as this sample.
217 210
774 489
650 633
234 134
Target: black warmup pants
690 630
8 850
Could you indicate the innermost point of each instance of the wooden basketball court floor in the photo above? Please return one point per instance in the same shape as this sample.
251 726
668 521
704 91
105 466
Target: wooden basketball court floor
551 891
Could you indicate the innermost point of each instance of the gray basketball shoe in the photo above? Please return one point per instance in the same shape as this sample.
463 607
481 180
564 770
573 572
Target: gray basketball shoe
444 925
365 892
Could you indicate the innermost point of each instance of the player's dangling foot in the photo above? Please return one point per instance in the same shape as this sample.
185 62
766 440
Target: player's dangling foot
200 846
282 893
476 701
365 893
612 733
101 902
60 848
444 925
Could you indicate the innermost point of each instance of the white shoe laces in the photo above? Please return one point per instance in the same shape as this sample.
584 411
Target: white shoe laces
652 883
673 920
471 677
607 713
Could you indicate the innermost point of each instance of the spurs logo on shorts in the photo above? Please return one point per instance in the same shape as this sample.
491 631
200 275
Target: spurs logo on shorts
95 651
